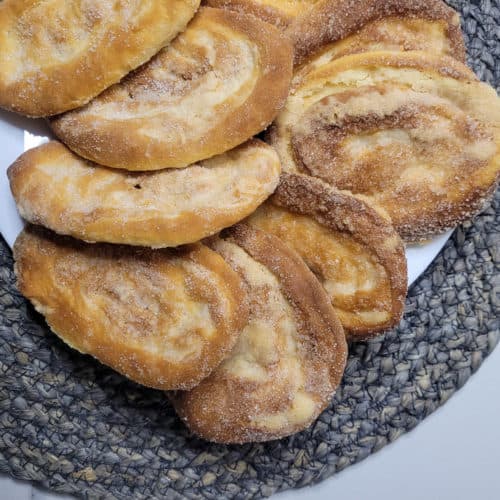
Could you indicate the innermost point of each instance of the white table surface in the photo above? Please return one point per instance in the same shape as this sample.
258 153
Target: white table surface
452 455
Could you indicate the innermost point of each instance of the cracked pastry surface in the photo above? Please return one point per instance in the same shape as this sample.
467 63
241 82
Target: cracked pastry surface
163 318
334 28
58 54
55 188
414 133
218 84
289 358
281 13
353 251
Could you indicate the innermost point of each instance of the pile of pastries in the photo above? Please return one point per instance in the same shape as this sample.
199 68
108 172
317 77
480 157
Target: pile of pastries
233 185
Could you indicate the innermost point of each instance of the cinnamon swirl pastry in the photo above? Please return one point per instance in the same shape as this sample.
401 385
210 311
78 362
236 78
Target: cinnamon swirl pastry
354 252
57 189
281 13
57 55
334 28
288 360
162 318
218 84
414 133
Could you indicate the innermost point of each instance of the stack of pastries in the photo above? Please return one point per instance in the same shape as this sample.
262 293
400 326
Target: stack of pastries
169 242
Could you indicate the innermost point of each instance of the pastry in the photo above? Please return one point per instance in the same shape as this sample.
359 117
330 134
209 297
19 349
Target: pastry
55 188
354 252
414 133
58 55
218 84
163 318
288 360
281 13
334 28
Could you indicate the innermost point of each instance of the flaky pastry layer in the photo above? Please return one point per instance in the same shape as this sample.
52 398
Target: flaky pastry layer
414 133
334 28
57 55
55 188
281 13
289 358
353 251
163 318
218 84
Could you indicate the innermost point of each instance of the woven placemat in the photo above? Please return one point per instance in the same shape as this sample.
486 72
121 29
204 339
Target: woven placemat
74 426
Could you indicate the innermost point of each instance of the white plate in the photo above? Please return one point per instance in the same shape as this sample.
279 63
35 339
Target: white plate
18 134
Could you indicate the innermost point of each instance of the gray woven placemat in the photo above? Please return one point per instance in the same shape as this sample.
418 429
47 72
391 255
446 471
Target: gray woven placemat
74 426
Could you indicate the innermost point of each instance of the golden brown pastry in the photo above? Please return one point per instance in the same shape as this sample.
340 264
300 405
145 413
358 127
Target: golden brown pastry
354 252
55 188
218 84
163 318
57 55
289 358
414 133
334 28
281 13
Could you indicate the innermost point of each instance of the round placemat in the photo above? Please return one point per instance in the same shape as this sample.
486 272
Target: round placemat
74 426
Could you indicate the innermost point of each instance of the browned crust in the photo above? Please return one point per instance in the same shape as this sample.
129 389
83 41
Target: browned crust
114 144
437 64
267 13
37 250
333 20
209 409
431 220
73 84
343 212
38 205
433 217
317 319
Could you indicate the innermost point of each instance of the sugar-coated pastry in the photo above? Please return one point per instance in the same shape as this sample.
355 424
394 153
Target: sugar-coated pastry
354 252
163 318
334 28
57 55
57 189
281 13
218 84
417 134
289 358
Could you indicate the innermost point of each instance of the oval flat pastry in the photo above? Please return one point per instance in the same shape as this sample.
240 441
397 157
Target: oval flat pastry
416 134
289 358
58 54
55 188
218 84
334 28
354 252
162 318
281 13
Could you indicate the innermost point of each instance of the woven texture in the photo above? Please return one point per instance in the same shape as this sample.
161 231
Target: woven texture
74 426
